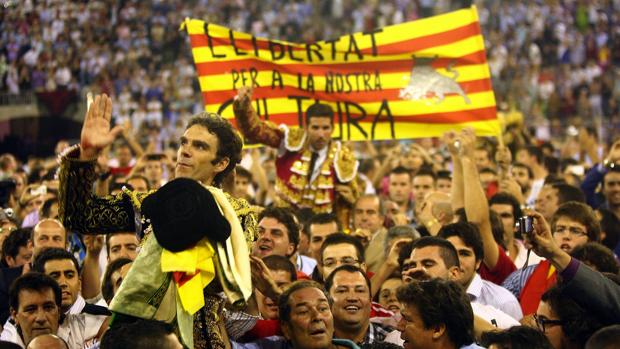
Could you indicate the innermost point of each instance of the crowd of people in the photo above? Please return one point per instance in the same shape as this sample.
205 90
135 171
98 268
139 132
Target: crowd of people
447 243
553 62
158 230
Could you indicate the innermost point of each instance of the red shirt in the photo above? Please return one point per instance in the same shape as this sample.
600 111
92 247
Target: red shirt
503 268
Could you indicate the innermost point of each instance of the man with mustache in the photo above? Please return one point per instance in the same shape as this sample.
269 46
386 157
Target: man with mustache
313 170
573 224
306 321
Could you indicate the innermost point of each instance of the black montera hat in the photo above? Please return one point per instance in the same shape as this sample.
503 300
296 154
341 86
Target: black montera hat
182 212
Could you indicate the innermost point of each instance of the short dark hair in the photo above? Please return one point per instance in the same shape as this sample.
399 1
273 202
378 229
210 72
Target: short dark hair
329 282
503 198
536 152
516 337
605 338
16 239
240 171
423 171
446 249
33 281
323 218
441 302
284 308
530 173
581 213
277 262
468 232
286 217
340 238
141 334
599 256
46 208
229 142
115 233
567 192
401 170
444 174
578 323
53 254
107 288
319 110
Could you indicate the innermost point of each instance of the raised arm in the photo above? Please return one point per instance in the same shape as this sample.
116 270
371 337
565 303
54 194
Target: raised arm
451 140
252 128
476 204
80 210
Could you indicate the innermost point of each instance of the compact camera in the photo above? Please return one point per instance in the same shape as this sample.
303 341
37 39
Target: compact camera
525 225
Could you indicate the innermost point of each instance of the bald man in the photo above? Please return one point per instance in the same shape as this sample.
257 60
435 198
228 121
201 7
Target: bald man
48 233
47 341
435 212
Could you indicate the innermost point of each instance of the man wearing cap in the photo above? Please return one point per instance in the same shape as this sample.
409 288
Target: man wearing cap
313 171
180 215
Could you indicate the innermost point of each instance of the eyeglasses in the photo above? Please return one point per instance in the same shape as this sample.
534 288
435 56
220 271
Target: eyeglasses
331 262
575 232
544 323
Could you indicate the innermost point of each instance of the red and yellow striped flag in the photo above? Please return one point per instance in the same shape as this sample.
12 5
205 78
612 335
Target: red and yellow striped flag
411 80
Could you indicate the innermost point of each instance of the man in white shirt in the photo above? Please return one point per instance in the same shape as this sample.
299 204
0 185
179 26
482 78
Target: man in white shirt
434 257
466 240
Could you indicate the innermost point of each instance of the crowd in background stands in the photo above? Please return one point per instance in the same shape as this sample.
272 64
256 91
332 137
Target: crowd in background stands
552 61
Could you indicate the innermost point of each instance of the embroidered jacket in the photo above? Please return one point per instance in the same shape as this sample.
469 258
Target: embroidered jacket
293 165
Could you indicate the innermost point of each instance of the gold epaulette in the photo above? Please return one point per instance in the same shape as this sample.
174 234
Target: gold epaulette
294 138
248 218
345 164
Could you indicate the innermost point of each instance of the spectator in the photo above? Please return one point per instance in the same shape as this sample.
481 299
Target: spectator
349 289
573 225
278 233
38 292
436 314
337 250
122 244
564 321
369 214
605 338
284 274
517 337
142 334
466 240
113 278
17 248
321 226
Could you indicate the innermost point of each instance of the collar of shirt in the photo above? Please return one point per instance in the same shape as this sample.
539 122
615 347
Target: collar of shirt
375 333
475 287
77 306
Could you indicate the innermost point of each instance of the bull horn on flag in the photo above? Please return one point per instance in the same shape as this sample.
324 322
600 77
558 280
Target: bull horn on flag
410 80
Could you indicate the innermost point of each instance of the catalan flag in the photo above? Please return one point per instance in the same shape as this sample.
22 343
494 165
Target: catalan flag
411 80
